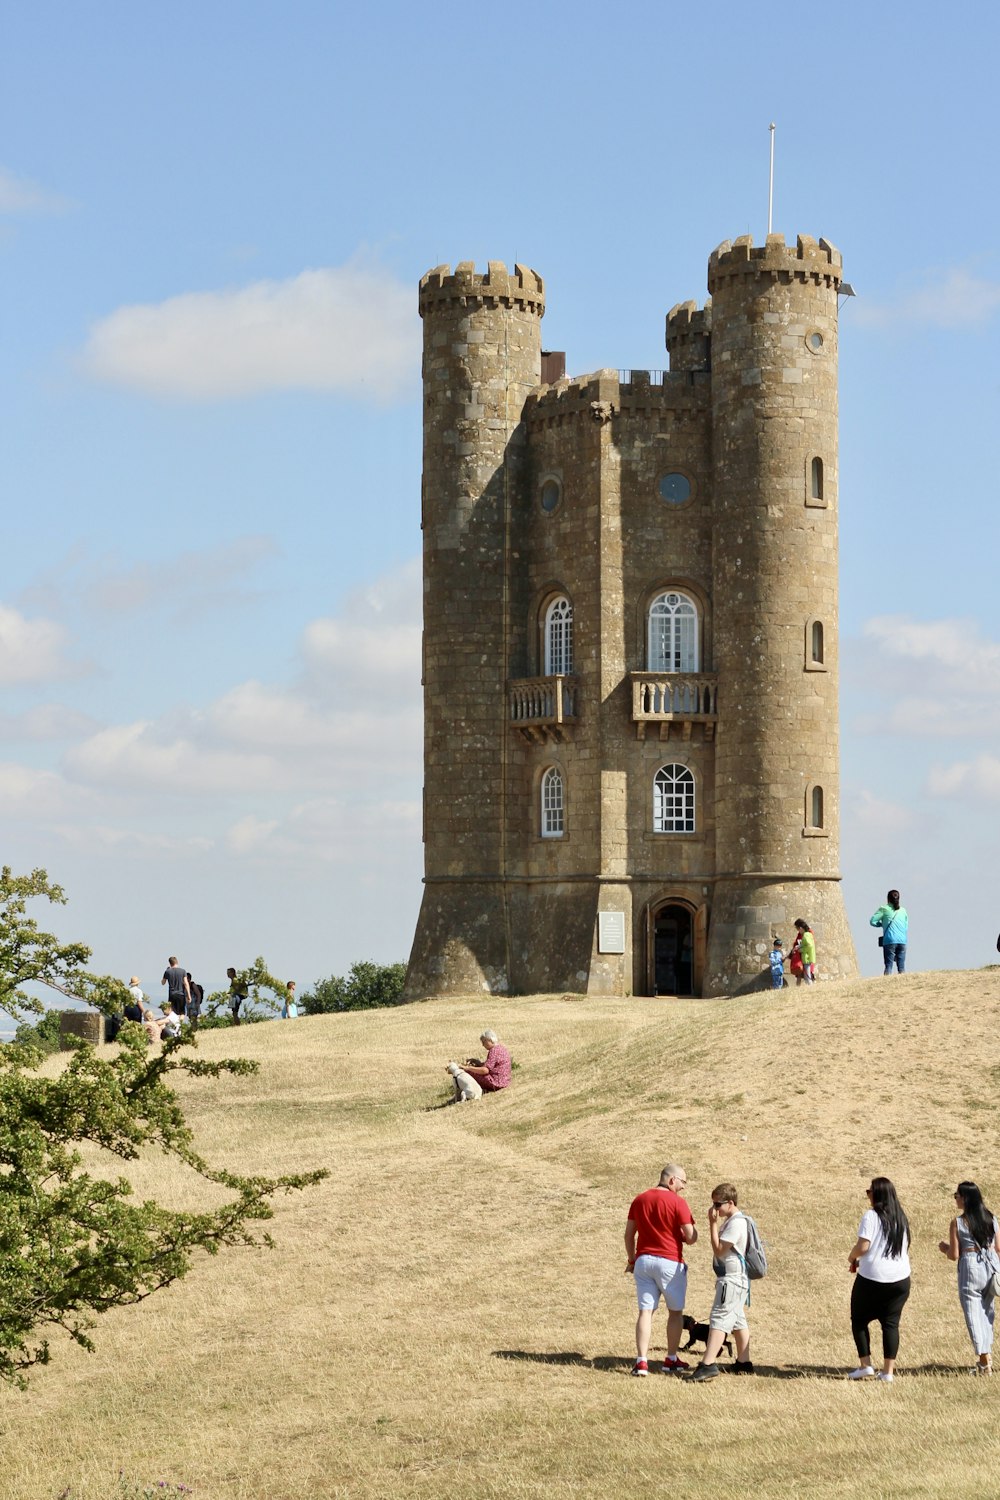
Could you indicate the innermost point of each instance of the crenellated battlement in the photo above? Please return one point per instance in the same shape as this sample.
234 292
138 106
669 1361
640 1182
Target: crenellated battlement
689 333
604 393
496 287
810 260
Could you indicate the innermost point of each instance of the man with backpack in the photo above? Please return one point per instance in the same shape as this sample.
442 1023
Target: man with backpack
736 1254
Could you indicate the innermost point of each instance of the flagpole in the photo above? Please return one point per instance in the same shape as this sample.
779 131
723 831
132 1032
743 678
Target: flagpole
770 185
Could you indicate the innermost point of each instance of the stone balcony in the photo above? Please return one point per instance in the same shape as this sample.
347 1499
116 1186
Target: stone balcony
676 701
543 708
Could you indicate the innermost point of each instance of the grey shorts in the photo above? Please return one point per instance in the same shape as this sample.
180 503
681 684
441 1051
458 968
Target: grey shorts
728 1313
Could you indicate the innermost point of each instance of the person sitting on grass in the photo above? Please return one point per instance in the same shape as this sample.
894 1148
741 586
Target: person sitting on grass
493 1074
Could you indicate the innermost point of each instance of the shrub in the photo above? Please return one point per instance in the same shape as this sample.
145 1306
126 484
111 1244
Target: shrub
367 987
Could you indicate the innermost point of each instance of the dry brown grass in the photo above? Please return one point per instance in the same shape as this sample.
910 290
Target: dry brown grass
448 1314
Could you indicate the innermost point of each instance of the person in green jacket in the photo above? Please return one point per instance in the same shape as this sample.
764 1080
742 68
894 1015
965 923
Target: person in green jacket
806 944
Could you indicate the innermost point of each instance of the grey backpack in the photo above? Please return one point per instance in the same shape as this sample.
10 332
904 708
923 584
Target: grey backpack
755 1259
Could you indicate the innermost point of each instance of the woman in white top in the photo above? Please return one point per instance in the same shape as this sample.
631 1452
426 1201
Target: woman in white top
880 1258
974 1241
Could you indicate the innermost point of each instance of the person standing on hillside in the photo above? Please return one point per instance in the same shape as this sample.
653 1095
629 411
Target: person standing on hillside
238 993
194 1004
728 1229
659 1225
894 922
776 959
974 1241
175 977
880 1260
805 946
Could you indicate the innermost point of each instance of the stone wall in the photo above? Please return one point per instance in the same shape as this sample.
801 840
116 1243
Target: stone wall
749 403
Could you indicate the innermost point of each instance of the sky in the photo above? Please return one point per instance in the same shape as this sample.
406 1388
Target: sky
213 218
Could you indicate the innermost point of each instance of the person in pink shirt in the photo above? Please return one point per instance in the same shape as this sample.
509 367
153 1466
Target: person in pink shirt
493 1074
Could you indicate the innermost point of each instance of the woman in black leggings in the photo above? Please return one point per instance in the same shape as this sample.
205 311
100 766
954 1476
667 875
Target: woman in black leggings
880 1258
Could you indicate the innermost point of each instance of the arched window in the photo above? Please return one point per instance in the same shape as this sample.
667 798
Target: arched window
816 642
553 804
673 634
559 638
673 800
816 479
816 807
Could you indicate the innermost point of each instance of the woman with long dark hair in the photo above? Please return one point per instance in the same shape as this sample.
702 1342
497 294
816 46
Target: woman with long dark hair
881 1260
974 1241
894 922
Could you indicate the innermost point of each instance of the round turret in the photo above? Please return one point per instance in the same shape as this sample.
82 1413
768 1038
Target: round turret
774 412
482 356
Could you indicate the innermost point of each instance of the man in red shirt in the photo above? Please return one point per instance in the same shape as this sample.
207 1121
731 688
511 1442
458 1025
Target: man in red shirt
659 1225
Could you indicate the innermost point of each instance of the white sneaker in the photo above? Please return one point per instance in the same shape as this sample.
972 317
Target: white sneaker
883 1376
861 1373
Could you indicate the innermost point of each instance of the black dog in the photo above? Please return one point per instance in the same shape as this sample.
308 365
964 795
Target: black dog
698 1333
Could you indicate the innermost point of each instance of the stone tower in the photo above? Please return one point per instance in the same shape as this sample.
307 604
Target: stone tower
630 639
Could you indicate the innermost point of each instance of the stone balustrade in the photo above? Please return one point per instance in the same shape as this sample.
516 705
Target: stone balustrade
682 698
542 707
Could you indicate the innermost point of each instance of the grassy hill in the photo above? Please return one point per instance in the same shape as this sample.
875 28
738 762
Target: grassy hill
448 1313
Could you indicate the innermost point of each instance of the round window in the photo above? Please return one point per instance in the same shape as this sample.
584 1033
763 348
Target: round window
675 488
551 495
815 340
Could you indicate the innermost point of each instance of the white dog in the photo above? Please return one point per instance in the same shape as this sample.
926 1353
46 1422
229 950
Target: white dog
466 1086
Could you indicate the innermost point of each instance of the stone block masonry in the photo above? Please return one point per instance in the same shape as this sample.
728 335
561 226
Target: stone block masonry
630 639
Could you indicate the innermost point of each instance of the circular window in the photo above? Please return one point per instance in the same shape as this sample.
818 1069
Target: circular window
675 488
551 495
814 341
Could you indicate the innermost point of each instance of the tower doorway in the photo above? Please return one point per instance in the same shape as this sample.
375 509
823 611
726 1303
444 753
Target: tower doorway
673 950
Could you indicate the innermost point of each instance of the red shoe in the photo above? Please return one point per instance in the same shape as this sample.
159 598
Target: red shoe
640 1368
671 1366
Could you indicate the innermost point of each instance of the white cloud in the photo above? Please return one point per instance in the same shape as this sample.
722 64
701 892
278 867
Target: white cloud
20 196
348 328
142 756
936 678
350 720
32 650
955 298
208 577
47 721
974 779
26 792
331 830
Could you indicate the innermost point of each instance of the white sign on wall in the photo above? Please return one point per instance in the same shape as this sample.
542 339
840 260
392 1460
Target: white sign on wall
611 932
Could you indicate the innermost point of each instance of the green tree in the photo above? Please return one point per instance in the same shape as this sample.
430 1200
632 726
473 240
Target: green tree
265 996
74 1244
367 986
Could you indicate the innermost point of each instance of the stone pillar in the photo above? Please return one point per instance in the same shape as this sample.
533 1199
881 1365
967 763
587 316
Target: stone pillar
774 412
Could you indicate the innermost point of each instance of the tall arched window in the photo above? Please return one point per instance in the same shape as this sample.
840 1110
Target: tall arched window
816 807
816 642
816 479
673 800
553 804
559 638
673 634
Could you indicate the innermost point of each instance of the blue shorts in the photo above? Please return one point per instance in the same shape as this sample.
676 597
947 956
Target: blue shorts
656 1277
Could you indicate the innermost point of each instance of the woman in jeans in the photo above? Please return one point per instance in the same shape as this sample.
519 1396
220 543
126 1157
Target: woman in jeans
974 1241
880 1258
893 921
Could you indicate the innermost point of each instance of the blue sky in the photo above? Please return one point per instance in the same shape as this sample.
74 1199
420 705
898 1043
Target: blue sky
212 222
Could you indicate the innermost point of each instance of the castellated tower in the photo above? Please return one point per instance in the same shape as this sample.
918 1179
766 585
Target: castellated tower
482 357
777 765
630 640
